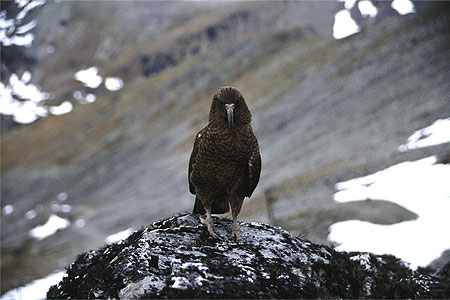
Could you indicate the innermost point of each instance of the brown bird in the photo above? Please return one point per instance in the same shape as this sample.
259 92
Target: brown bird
225 163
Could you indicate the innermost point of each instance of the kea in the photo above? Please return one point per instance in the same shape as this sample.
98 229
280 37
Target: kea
225 163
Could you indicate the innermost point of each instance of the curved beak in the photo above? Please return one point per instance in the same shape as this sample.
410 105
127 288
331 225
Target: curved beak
229 108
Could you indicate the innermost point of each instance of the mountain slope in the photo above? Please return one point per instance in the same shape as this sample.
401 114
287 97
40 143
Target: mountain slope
324 111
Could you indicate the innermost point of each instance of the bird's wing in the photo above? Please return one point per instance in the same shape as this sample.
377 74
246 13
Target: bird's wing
254 171
194 153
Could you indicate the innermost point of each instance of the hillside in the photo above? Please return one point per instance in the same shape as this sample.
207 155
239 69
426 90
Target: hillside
324 111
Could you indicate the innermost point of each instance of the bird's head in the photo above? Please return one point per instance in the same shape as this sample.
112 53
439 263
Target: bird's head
228 109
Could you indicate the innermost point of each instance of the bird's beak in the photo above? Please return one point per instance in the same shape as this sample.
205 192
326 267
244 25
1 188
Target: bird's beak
229 108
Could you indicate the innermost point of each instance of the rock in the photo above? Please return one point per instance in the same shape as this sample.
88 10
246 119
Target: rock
177 258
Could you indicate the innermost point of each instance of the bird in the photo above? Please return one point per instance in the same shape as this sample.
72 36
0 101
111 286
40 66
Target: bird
225 162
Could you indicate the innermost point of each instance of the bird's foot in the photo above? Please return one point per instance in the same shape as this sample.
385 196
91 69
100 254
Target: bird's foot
203 220
212 232
236 232
209 224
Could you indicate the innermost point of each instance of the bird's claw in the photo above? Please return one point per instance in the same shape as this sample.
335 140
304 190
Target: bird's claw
212 232
209 224
235 236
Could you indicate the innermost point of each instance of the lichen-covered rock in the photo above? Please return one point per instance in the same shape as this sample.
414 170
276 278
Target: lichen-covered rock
177 258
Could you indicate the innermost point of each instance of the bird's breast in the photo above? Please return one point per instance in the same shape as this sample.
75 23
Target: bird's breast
222 159
229 147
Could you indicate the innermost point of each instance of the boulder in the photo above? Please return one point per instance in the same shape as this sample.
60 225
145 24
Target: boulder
177 258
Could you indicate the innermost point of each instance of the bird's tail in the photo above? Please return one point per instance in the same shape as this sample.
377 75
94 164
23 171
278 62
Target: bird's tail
220 205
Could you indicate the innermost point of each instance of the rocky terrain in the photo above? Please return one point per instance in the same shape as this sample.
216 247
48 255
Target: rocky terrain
175 258
324 111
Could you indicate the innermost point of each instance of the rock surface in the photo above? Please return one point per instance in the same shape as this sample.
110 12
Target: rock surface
177 258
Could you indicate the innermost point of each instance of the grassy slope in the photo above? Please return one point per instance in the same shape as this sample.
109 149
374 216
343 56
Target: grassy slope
323 111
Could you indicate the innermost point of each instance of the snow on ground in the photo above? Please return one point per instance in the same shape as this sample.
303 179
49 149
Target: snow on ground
119 236
403 7
36 289
113 83
344 25
366 8
89 77
61 109
437 133
53 224
420 186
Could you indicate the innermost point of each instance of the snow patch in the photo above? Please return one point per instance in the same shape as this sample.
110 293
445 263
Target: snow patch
28 110
89 77
420 186
435 134
180 283
31 5
18 40
344 25
119 236
199 266
348 3
113 83
403 7
53 224
367 9
35 290
63 108
27 27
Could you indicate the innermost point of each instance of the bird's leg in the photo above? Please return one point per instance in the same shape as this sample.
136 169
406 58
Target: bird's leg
208 221
236 203
236 230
